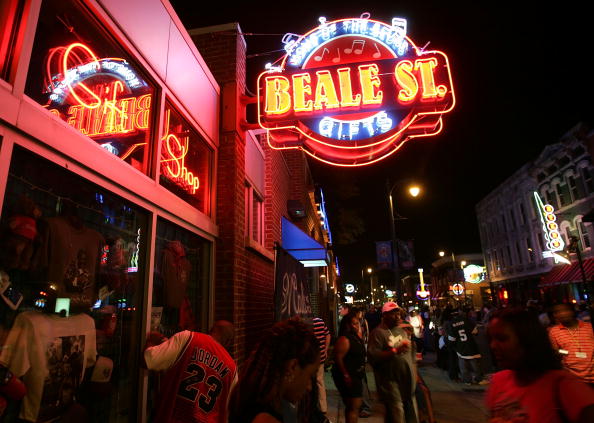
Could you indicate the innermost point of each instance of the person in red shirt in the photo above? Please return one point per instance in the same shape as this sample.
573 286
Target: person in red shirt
199 374
574 341
533 387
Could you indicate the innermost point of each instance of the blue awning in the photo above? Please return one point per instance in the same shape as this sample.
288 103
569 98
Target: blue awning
301 246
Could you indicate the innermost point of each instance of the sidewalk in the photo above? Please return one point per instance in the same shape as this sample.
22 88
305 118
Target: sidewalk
452 402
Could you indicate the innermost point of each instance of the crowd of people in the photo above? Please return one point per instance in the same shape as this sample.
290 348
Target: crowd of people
540 369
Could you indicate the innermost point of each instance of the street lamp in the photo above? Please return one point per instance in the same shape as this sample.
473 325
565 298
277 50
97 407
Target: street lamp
454 268
369 271
414 190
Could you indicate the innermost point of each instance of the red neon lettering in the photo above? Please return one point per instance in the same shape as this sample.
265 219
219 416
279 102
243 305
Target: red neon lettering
173 160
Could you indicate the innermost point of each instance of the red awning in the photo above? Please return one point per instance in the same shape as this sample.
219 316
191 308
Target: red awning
568 273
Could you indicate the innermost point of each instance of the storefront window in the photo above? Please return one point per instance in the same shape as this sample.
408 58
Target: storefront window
72 266
180 290
11 34
186 161
80 75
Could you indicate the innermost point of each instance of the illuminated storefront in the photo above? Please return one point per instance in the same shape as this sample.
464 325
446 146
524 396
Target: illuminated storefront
106 191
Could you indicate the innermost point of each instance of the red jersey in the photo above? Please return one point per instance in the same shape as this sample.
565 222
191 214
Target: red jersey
196 387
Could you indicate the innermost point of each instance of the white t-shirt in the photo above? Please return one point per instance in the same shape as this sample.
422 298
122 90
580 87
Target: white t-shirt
161 357
50 353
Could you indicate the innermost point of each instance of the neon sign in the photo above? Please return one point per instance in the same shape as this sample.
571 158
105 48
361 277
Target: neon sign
422 294
353 91
458 288
554 241
474 273
173 159
100 97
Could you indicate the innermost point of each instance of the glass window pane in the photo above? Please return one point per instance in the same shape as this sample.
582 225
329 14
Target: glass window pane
180 290
186 162
11 34
74 254
80 75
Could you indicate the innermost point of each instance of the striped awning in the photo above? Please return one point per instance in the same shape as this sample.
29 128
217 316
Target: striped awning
568 273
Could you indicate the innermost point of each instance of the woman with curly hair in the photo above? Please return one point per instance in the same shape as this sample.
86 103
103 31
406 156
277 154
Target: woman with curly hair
280 368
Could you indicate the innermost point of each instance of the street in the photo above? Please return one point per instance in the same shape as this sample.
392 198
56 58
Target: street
452 402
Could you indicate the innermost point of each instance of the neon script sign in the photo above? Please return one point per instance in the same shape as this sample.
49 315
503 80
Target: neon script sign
353 91
100 92
554 241
173 159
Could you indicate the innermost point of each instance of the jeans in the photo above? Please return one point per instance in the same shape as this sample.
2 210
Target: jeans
474 364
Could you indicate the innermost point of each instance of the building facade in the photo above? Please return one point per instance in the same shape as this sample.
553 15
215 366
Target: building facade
510 225
134 199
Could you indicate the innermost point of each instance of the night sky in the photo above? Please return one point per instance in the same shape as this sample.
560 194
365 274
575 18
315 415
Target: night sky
523 77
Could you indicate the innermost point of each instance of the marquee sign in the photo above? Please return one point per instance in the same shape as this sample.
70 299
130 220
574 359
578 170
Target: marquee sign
422 293
474 273
554 240
352 91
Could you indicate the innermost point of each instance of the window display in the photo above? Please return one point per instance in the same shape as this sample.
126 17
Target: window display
72 272
185 161
79 74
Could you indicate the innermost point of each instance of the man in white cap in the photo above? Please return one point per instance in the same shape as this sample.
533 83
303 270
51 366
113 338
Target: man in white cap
392 357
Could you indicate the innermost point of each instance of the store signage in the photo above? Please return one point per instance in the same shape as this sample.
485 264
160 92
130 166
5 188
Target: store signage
174 150
458 288
95 95
554 241
422 294
352 91
350 288
474 273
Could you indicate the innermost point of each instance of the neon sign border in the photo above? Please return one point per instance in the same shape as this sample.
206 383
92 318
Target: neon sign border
294 45
415 117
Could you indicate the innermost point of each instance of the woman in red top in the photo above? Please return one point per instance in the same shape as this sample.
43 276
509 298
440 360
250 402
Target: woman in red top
533 388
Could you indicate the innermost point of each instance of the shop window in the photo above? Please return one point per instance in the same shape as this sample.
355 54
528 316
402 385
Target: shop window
254 215
530 250
12 18
186 161
180 288
584 235
564 196
588 182
80 75
73 255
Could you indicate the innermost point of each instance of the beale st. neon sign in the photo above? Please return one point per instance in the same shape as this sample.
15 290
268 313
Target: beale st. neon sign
352 91
97 96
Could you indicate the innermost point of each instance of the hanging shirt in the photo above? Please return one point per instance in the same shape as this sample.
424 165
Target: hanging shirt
50 353
200 375
576 348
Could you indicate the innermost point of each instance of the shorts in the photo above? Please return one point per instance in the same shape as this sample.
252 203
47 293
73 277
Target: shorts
355 390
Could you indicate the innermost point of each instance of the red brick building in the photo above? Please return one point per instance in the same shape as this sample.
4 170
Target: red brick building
133 197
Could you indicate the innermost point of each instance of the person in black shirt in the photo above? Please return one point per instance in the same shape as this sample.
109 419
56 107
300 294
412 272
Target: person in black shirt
461 334
348 370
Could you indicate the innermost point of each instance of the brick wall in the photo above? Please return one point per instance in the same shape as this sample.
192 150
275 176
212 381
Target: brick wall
244 278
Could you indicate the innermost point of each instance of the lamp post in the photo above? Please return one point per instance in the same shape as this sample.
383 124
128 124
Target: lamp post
369 271
455 269
414 191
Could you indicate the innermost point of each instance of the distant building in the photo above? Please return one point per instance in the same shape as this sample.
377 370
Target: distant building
511 230
467 270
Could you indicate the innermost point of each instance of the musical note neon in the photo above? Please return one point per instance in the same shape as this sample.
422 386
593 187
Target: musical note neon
360 43
319 58
337 58
377 54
